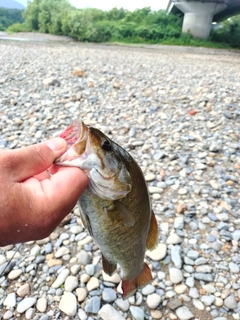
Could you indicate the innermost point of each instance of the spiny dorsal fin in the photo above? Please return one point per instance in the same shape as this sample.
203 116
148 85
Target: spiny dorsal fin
152 239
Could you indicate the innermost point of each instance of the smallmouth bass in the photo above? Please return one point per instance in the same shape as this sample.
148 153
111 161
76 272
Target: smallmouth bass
115 208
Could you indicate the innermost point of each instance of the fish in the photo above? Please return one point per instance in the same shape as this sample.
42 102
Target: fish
115 208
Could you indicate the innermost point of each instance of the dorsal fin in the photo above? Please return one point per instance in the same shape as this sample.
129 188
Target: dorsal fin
152 239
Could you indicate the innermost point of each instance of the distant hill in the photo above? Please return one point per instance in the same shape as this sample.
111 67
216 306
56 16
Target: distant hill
11 4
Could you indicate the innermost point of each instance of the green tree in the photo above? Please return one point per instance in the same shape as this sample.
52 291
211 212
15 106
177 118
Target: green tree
78 25
9 17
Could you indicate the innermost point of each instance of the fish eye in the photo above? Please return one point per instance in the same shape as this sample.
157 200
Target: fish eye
105 145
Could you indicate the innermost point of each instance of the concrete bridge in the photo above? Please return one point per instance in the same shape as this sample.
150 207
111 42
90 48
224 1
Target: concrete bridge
199 14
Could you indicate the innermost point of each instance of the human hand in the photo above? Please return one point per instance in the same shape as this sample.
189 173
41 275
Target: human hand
33 203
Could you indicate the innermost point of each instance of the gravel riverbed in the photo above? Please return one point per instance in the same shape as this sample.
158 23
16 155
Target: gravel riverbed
176 110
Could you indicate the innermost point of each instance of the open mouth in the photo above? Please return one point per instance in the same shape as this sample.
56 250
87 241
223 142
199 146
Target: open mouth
75 132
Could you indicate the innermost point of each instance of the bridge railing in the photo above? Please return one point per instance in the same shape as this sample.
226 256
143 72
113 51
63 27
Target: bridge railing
227 2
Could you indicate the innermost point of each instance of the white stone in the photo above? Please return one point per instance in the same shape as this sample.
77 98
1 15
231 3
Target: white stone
7 315
176 275
150 177
2 259
35 250
153 300
71 283
93 283
82 314
155 190
76 229
61 278
61 252
198 304
174 239
41 304
115 278
10 300
181 288
81 294
29 313
14 274
68 304
26 304
209 288
159 253
107 312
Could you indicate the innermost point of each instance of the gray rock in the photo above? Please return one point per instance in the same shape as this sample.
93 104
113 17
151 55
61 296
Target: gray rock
230 302
176 256
148 289
179 223
122 304
193 293
137 313
208 300
174 304
108 295
190 282
84 258
234 267
93 305
183 313
204 276
192 254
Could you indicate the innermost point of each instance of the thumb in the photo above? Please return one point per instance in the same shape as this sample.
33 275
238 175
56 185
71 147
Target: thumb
29 161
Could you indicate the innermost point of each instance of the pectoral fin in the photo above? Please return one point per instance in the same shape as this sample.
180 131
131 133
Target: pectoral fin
108 267
86 221
152 239
121 211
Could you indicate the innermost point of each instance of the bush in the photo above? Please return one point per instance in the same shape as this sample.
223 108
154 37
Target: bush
18 27
102 31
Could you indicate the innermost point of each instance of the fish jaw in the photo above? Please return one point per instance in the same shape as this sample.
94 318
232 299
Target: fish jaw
108 176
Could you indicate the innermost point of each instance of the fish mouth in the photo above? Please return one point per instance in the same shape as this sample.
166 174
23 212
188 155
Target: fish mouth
76 138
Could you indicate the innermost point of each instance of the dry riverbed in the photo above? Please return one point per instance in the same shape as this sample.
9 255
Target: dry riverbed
177 111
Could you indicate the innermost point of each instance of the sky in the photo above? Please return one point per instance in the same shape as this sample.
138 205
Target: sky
109 4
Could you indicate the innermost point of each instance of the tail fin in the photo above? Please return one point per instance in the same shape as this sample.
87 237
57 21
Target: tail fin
129 286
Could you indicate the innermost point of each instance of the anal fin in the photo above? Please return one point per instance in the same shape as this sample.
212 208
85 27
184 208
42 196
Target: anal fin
129 286
152 239
108 267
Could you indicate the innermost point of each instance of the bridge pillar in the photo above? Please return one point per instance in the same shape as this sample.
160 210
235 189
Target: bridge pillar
198 16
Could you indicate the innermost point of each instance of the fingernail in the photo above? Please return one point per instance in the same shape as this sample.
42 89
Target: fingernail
56 144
